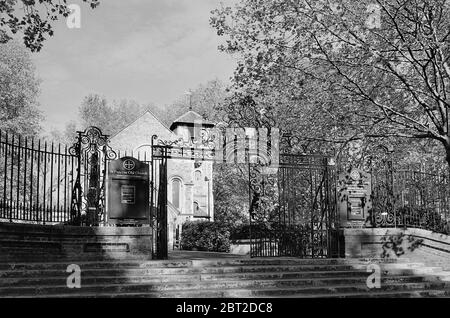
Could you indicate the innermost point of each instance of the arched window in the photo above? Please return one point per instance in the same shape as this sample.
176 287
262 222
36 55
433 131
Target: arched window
176 193
198 175
196 207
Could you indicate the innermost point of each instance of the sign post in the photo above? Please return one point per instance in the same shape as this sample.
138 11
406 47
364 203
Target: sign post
128 192
354 198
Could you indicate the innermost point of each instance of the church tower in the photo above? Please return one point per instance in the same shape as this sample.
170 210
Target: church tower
189 125
190 182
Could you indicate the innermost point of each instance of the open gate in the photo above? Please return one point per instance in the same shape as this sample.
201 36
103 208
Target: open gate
293 208
158 201
292 199
292 202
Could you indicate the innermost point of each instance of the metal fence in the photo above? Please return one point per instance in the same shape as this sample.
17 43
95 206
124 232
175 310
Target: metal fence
411 198
50 183
36 180
294 209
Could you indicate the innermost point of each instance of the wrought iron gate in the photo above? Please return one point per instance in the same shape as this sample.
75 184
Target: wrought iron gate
158 200
293 208
88 195
52 184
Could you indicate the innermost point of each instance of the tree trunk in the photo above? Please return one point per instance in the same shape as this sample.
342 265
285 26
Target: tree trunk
447 157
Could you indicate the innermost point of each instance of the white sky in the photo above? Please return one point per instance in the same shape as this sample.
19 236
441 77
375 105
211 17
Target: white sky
146 50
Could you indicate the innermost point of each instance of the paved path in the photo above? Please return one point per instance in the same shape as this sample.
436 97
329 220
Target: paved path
177 254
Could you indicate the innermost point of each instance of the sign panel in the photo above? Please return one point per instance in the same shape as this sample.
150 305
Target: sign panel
128 192
354 197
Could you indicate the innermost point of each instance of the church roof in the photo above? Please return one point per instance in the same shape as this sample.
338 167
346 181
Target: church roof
190 118
141 132
146 113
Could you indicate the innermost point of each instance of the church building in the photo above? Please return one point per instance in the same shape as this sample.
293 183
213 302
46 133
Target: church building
190 183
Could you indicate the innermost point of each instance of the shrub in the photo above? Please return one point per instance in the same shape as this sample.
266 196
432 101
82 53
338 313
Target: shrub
240 232
205 236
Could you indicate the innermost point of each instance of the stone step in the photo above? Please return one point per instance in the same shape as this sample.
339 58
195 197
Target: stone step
24 281
196 263
143 270
127 278
54 257
221 285
202 263
382 294
308 291
62 265
223 277
176 270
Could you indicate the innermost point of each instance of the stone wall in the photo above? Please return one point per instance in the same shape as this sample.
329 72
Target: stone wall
240 247
414 244
32 242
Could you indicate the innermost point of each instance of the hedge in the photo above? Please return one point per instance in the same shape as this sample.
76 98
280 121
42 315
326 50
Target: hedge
205 236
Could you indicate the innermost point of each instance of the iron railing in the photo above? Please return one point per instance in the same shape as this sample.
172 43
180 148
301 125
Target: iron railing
410 198
36 180
293 209
39 179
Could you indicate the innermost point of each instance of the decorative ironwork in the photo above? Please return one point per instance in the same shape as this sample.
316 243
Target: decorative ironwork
236 145
205 139
92 151
36 180
158 201
293 208
409 197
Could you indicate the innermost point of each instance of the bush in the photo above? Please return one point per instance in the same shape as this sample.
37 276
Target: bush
240 232
205 236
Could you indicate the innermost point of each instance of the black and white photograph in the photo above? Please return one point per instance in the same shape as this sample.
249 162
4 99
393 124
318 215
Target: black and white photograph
224 156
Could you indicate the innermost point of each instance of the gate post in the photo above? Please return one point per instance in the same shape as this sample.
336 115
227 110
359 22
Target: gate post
90 148
75 207
161 232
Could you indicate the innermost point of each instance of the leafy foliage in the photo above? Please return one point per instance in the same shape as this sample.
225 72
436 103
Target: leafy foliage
204 99
230 190
396 244
33 18
19 88
205 236
95 110
335 72
66 136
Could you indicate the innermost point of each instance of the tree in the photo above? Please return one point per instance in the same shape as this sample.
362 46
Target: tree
231 199
95 110
384 63
19 88
33 18
205 100
65 137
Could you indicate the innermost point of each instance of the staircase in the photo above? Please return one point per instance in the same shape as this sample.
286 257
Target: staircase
230 277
